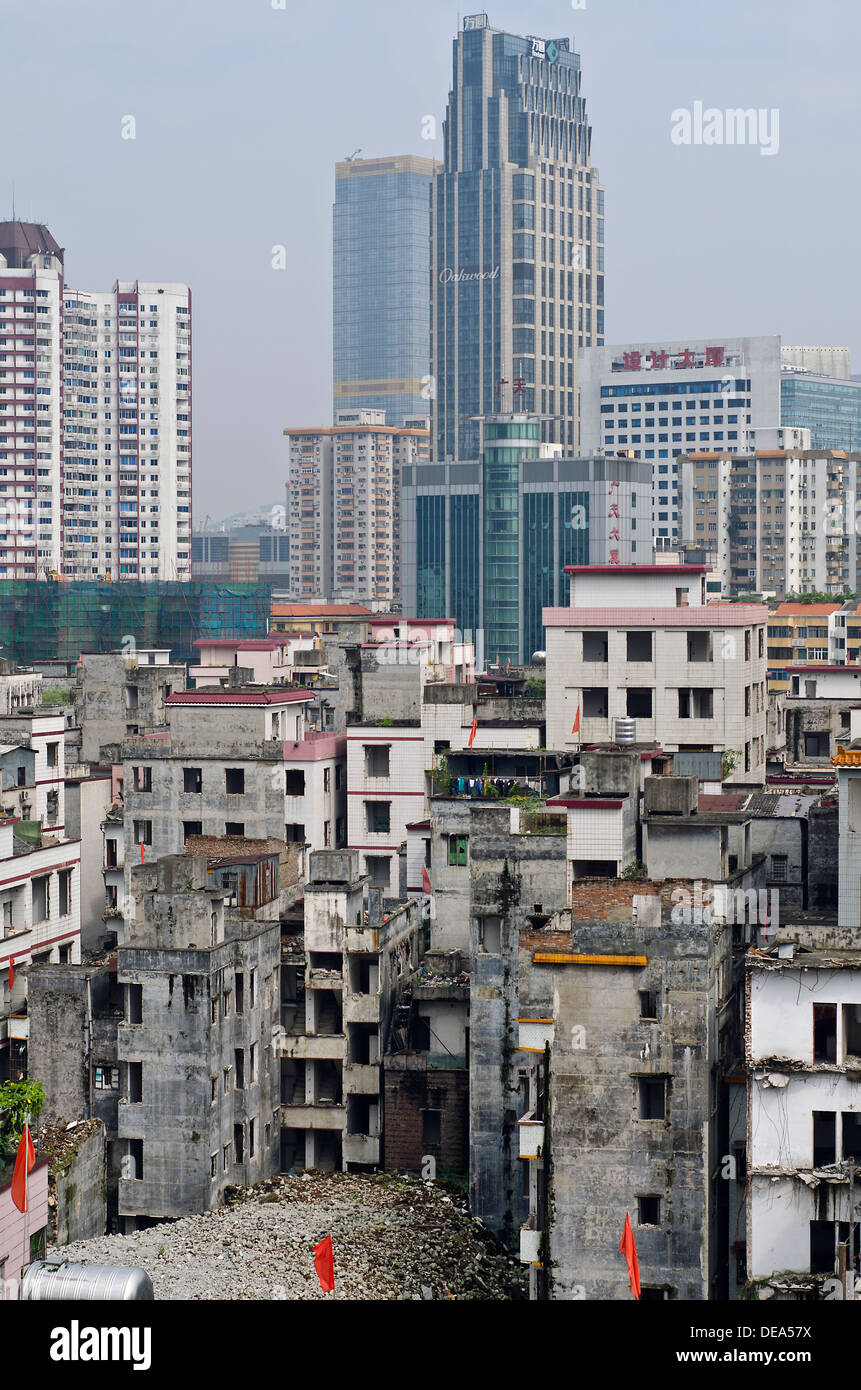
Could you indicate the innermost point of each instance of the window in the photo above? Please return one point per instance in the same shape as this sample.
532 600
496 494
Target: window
639 703
239 986
192 780
51 754
595 702
824 1137
850 1125
377 759
378 817
134 1160
817 745
852 1030
294 782
234 828
64 883
648 1211
250 1138
779 865
225 1158
239 1068
252 989
490 934
134 1003
294 833
594 646
135 1082
378 870
825 1236
213 1009
648 1004
225 1081
431 1126
41 898
457 850
191 827
142 779
639 646
696 704
143 832
106 1078
234 781
327 778
213 1165
213 1093
651 1096
699 646
239 1143
825 1032
252 1064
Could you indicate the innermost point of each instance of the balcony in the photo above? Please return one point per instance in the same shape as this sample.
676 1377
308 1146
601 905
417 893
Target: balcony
361 1079
535 1034
531 1136
19 1028
332 1117
320 1047
361 1008
361 1148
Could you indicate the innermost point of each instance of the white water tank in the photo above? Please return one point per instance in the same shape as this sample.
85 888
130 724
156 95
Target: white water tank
626 730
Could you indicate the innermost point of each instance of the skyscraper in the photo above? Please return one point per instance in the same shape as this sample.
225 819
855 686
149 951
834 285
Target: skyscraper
517 238
95 421
380 286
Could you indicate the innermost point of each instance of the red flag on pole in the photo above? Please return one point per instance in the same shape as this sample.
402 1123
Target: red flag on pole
629 1250
24 1161
426 883
576 728
324 1263
142 852
11 973
473 731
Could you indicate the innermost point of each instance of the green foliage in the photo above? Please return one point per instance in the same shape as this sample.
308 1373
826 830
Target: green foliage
386 722
18 1099
636 869
55 697
536 689
814 596
442 777
730 761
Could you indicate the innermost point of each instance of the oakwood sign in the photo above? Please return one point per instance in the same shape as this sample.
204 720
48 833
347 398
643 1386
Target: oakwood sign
448 276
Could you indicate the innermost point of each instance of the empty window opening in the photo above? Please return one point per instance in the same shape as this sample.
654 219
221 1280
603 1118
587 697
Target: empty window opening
825 1032
142 779
41 898
850 1135
135 1082
639 705
239 987
134 1160
639 646
239 1143
235 828
648 1004
294 833
192 779
595 646
134 1003
378 817
431 1126
378 868
852 1030
490 935
648 1211
652 1097
824 1137
143 832
817 745
191 827
696 704
234 781
64 884
377 759
294 782
699 646
239 1068
595 702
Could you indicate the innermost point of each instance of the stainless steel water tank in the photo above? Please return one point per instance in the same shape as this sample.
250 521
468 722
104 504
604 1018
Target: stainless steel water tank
626 730
60 1281
539 658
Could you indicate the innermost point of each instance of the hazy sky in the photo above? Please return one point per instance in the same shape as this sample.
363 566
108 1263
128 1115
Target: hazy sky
241 111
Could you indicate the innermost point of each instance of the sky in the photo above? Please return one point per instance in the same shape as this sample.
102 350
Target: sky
242 107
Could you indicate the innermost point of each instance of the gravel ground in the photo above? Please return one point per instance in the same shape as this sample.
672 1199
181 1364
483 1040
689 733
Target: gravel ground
393 1237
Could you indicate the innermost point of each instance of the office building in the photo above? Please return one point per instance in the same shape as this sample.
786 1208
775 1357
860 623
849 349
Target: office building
487 541
380 286
517 238
243 554
344 505
821 361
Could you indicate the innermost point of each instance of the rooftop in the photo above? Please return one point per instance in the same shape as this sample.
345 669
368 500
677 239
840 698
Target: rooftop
636 569
248 695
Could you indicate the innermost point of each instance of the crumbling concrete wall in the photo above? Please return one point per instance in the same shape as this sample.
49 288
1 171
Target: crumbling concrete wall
78 1186
411 1087
822 857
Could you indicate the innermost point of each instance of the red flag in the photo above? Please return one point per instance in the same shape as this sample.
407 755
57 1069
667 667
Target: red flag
324 1263
11 974
629 1250
576 728
142 852
473 731
426 883
24 1161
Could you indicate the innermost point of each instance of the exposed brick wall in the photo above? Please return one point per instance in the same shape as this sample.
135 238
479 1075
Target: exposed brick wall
407 1094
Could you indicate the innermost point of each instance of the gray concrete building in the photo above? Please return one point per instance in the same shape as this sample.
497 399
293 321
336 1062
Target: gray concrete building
121 694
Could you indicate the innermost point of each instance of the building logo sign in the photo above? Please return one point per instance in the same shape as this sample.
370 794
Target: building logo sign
548 48
659 360
449 276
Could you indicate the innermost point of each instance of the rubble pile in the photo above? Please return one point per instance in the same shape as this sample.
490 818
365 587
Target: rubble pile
394 1237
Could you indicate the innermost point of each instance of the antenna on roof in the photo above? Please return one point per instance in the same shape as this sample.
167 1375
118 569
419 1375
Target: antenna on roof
350 157
13 200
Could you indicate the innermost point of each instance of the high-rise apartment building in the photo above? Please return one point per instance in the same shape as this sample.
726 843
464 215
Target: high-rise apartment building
517 238
381 345
95 421
344 506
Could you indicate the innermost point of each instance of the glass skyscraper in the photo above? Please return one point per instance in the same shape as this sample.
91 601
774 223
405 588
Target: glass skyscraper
381 353
517 239
829 407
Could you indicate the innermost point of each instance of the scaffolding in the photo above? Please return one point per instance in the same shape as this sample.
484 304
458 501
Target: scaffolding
45 620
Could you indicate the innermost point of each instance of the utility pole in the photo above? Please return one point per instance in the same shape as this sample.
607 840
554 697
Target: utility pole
851 1229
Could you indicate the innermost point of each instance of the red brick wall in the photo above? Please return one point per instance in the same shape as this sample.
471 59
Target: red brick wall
407 1094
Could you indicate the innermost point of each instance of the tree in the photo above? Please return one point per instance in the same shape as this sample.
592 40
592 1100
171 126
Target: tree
18 1101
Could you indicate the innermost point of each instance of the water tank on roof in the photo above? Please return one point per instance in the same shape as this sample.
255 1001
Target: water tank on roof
626 730
539 658
59 1281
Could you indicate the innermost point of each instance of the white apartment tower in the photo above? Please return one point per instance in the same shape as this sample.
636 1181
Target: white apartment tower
343 505
95 421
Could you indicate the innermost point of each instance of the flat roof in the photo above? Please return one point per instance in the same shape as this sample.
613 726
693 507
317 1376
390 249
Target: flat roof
636 569
813 669
245 644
